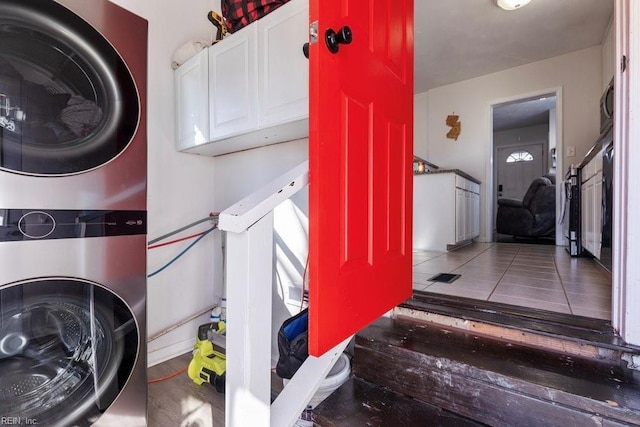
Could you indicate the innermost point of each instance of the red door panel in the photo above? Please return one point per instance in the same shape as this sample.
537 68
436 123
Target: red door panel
360 166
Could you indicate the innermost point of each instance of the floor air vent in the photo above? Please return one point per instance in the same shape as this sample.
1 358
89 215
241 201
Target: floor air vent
444 277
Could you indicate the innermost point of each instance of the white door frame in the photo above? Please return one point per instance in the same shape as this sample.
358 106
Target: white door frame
490 173
626 197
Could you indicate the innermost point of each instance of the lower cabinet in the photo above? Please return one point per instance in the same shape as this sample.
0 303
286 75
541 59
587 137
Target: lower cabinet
461 215
474 214
446 211
592 214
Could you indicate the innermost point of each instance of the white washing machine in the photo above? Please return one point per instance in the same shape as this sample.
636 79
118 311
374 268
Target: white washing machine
72 105
72 318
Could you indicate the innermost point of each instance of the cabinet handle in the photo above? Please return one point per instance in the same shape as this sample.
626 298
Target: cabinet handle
333 39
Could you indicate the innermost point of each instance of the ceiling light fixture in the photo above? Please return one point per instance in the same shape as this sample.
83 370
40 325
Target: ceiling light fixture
512 4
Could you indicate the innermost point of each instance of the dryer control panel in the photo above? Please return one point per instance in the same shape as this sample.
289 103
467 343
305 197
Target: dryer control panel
39 224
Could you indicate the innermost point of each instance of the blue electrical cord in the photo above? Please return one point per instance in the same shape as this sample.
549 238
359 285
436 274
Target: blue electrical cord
183 252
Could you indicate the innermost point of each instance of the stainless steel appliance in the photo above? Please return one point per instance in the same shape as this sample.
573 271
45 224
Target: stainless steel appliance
604 147
606 254
72 317
606 108
606 130
571 211
72 213
72 105
605 141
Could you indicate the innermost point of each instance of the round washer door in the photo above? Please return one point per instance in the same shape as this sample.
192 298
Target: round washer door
67 349
68 102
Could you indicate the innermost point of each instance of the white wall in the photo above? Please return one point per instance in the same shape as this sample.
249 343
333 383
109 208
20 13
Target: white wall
521 135
608 56
553 143
579 74
180 186
420 128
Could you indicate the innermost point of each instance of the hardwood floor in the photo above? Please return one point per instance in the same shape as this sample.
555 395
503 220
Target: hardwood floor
179 401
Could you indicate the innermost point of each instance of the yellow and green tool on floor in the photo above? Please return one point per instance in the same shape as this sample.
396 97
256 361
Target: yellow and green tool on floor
208 365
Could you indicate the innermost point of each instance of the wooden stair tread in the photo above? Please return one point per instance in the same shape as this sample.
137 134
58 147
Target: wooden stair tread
361 403
470 374
577 328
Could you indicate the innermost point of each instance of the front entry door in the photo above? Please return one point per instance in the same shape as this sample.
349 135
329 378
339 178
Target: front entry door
360 166
516 175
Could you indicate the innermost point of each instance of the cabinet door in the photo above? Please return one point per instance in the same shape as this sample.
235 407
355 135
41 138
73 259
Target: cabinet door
584 207
192 101
597 215
475 214
588 229
468 215
232 83
360 174
283 71
461 215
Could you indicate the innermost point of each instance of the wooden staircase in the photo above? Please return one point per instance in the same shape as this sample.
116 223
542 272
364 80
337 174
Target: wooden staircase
451 361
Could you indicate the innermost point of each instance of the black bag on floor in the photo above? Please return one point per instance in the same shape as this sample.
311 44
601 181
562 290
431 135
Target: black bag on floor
240 13
293 344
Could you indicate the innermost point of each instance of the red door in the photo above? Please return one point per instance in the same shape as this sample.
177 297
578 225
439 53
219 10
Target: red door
360 167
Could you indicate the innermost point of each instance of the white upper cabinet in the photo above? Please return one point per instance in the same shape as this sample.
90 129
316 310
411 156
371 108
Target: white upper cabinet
256 87
192 101
283 82
232 84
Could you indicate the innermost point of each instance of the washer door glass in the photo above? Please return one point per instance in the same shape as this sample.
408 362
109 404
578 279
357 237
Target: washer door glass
67 348
68 103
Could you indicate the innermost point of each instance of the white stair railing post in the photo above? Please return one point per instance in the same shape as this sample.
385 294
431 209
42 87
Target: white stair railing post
249 227
248 377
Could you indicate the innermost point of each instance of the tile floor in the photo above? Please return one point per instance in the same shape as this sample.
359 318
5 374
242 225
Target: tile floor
536 276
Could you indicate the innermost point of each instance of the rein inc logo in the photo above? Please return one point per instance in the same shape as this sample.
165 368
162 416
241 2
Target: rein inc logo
17 421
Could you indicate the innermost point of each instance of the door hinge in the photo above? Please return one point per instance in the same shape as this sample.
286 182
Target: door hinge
313 32
623 64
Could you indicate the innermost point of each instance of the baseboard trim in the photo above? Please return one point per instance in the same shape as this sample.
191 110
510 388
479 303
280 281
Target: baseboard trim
163 354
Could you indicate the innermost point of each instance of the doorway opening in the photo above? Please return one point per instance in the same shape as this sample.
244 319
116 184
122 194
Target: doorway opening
528 172
532 273
525 142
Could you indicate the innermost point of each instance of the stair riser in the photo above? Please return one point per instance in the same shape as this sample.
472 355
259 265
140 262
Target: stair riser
482 395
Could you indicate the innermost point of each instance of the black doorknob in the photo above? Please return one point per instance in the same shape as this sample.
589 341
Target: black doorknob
333 39
305 50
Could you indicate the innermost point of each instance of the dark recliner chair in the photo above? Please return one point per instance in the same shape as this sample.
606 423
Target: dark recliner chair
533 216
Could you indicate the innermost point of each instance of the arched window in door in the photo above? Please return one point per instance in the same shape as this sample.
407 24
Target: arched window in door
520 156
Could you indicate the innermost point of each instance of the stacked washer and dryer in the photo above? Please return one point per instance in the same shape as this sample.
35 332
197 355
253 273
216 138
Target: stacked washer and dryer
72 213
